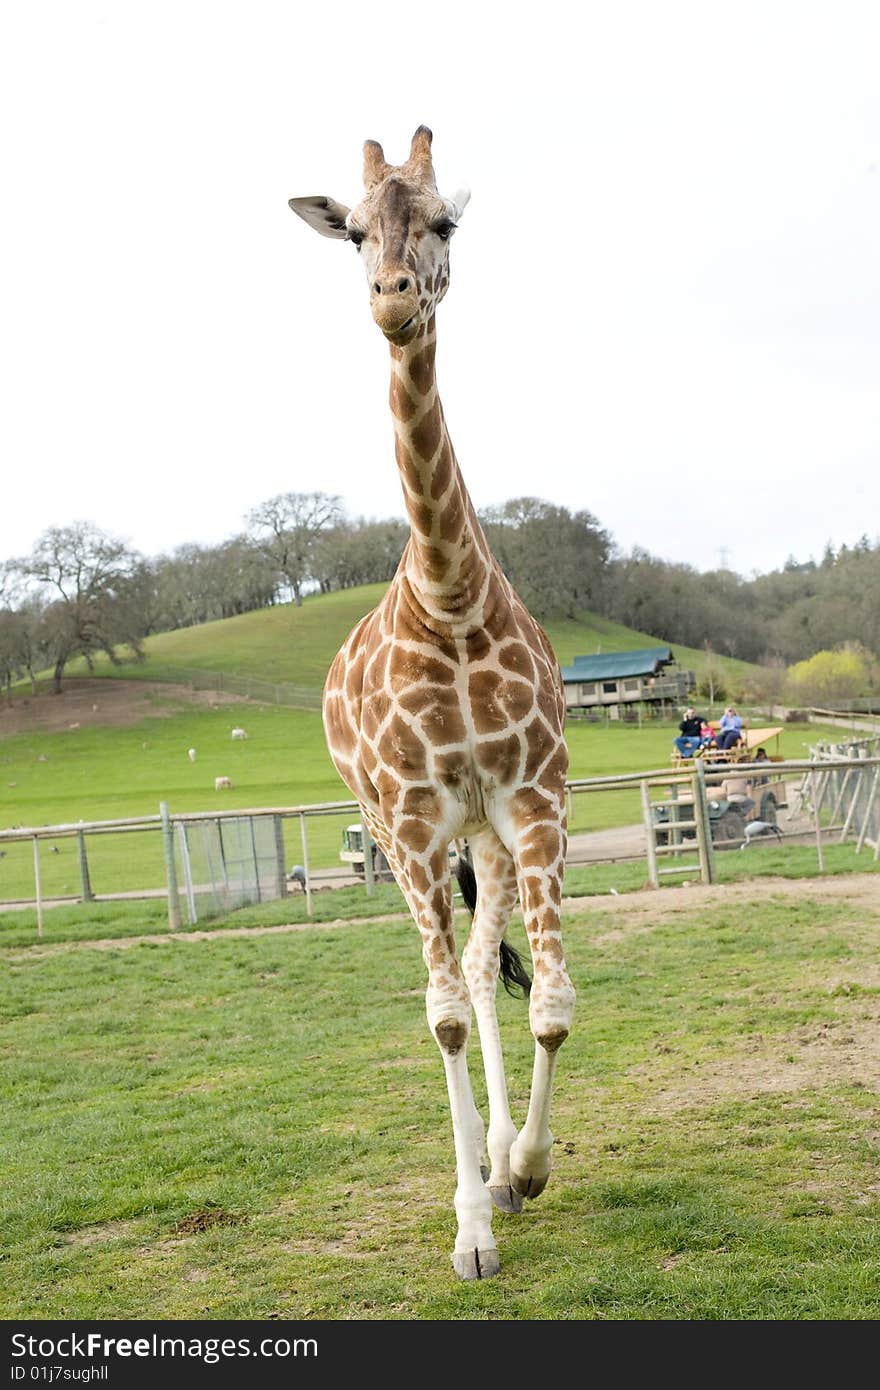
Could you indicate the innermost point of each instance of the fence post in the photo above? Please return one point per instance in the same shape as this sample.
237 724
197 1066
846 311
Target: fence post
704 827
255 858
170 868
187 874
817 786
305 844
367 841
280 862
868 809
842 784
649 831
37 887
674 817
87 894
857 774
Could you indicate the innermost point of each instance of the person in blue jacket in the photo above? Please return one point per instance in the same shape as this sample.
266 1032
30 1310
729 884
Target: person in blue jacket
730 731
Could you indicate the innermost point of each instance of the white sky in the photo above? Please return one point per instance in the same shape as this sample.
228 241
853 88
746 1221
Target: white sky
665 303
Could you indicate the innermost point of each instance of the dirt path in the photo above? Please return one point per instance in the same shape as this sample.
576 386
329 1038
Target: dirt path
85 703
632 912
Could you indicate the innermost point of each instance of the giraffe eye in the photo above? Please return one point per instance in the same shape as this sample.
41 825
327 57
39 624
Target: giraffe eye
355 237
444 229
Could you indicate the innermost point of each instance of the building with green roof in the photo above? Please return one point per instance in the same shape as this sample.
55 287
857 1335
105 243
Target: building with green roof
627 684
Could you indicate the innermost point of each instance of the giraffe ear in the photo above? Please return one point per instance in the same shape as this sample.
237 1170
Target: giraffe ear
324 214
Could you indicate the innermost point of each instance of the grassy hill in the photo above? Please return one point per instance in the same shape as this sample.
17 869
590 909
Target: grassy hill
296 645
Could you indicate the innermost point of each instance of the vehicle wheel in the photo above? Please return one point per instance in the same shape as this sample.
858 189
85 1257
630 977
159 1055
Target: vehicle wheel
768 808
730 826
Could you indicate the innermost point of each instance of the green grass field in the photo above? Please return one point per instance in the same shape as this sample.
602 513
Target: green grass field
106 773
189 1133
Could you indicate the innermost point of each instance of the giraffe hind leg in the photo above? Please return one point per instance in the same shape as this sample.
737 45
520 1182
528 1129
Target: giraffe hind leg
540 858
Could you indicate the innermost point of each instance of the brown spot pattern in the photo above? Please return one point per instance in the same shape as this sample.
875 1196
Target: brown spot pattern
425 435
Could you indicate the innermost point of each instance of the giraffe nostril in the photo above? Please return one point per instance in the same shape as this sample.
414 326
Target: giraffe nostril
402 285
377 288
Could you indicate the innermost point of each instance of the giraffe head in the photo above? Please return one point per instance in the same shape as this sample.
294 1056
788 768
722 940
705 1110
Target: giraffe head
402 228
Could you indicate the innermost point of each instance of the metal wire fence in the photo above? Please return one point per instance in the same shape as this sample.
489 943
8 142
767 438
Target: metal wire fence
226 863
211 862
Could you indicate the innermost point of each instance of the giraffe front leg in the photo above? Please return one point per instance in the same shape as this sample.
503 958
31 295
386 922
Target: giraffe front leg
423 875
475 1255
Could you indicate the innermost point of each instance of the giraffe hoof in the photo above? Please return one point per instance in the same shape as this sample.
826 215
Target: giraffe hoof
476 1264
506 1198
528 1185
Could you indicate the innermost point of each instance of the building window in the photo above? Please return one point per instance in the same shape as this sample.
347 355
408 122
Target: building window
631 685
609 687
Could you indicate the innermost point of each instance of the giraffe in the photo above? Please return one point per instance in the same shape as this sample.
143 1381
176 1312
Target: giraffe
444 715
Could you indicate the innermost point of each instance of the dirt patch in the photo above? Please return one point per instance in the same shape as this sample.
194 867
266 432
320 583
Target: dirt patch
197 1221
100 1234
838 1053
653 906
88 703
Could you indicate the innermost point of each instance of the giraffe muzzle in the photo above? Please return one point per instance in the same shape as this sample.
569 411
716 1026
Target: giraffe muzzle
396 311
399 323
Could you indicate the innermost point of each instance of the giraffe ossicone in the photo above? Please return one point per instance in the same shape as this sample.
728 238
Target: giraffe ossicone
444 715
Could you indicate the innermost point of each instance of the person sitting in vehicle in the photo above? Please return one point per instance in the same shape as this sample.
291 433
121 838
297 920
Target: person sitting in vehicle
736 790
707 734
689 737
730 731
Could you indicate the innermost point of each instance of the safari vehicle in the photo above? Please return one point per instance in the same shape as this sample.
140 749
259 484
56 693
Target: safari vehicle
352 853
730 814
730 811
743 752
738 799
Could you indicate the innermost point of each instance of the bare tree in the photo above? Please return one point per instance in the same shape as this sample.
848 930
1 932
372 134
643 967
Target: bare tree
286 528
21 651
87 578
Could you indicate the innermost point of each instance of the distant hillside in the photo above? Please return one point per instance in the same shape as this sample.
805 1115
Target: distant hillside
296 645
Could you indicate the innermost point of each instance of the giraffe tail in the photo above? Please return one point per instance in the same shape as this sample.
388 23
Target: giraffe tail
514 976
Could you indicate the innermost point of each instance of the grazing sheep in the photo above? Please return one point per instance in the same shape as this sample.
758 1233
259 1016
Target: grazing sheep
191 754
222 783
239 733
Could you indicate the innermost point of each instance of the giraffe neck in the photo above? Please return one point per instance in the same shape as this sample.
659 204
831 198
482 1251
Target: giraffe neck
447 563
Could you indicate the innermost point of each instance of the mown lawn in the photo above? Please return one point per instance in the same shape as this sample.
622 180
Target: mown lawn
257 1127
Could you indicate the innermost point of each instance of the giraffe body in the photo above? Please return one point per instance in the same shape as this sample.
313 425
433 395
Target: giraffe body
444 715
